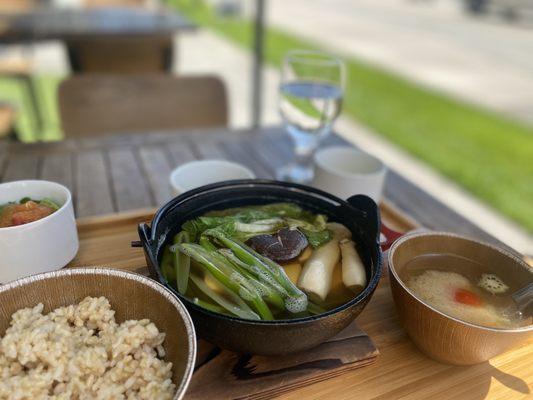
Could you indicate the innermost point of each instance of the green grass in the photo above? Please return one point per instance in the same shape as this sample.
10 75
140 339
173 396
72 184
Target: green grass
15 93
489 155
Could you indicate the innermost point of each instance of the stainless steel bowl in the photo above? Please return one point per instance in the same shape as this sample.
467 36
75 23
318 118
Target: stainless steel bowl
132 296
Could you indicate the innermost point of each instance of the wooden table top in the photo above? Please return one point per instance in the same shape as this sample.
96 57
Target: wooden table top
65 24
401 370
124 172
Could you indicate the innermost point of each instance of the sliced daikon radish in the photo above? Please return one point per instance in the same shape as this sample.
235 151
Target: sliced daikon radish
491 283
315 279
353 270
339 231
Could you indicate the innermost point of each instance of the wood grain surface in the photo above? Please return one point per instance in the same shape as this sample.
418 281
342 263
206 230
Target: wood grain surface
219 374
401 370
135 102
95 175
225 375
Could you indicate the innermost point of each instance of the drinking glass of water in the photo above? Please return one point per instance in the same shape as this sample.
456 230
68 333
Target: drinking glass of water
311 93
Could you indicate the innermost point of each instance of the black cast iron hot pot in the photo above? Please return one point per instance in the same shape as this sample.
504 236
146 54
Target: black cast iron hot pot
359 213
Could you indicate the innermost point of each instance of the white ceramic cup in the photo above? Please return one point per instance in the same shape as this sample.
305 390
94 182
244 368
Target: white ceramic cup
40 246
345 171
203 172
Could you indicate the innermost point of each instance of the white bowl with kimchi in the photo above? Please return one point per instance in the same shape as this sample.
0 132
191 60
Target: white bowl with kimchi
37 228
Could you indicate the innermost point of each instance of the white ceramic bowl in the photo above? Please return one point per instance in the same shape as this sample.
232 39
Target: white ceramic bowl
345 171
203 172
41 246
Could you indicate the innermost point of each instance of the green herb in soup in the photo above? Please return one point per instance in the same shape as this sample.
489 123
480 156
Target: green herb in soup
264 262
26 210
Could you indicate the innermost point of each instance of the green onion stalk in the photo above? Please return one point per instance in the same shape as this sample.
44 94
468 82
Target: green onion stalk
271 293
227 276
295 300
238 307
182 262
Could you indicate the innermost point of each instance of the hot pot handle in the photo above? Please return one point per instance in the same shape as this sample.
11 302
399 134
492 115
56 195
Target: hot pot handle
144 234
366 204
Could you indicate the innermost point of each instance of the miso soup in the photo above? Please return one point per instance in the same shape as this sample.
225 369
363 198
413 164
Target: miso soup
465 289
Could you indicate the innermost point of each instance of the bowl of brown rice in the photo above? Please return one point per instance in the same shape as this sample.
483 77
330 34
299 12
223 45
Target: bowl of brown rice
93 333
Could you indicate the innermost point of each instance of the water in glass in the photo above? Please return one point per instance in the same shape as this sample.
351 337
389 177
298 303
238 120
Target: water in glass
310 100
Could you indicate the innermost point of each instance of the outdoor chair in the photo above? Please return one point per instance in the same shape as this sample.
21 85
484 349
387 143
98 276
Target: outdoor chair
92 105
121 55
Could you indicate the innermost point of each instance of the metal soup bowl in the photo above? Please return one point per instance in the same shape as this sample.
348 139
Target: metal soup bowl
132 296
359 213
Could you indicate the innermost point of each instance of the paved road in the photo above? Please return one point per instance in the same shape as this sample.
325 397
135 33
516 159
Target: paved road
434 43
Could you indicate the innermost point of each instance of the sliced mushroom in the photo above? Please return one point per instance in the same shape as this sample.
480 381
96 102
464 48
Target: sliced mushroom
285 245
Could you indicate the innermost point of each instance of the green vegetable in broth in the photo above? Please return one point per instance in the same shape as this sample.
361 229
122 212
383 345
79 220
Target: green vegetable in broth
271 293
167 266
244 223
315 309
206 244
208 306
210 262
182 263
236 307
295 299
228 277
273 209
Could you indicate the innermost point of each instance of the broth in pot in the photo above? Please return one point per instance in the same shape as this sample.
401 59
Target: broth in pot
273 261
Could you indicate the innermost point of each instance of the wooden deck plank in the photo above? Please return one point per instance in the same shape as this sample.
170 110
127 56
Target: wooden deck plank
271 147
21 166
181 152
241 152
93 191
128 181
155 160
57 167
273 155
210 149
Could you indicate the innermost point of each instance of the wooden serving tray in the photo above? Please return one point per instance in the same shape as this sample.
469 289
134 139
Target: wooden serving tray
400 371
105 241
